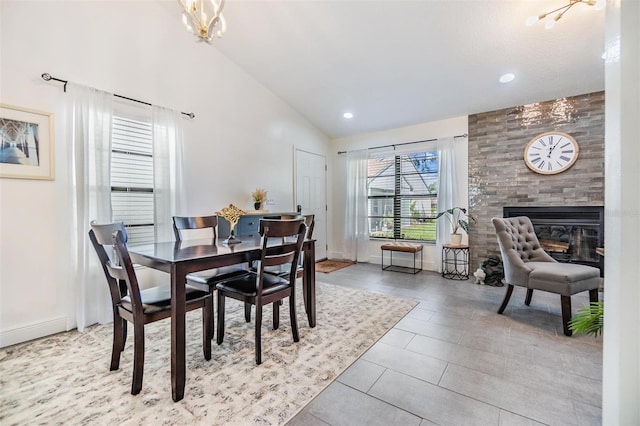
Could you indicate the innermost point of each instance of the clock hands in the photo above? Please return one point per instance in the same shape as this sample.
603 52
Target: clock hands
554 147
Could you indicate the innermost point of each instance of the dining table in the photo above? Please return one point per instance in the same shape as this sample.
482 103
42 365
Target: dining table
179 258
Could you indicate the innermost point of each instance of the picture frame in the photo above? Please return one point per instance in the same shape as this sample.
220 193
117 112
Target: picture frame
26 143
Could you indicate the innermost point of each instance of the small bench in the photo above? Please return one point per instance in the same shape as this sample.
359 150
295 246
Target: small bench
403 248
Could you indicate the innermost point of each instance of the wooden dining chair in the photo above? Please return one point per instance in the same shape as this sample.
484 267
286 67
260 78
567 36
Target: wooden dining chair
139 307
309 221
260 288
207 280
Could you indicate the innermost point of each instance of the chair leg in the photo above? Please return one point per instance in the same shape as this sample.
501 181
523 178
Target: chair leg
220 336
566 314
119 331
258 334
507 296
593 295
124 334
207 327
247 312
138 357
527 299
276 314
294 319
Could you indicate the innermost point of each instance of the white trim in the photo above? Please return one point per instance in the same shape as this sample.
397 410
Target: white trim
32 331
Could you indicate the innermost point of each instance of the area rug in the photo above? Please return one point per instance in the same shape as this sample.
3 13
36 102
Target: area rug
327 266
65 378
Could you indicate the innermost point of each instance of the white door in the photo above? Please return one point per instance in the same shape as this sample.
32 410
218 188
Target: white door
311 194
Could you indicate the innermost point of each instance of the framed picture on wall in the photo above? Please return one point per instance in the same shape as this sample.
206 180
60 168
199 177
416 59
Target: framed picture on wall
26 147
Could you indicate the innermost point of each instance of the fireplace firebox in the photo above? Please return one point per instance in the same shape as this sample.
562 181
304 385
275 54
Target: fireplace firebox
568 234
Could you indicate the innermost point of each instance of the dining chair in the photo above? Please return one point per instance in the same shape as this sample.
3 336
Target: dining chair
139 307
309 221
260 288
526 264
207 280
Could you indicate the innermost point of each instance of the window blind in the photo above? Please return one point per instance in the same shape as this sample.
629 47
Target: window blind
132 177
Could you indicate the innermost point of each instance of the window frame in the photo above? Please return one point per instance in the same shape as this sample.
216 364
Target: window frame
140 132
400 198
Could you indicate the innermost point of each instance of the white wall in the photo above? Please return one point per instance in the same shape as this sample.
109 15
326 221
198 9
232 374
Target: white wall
433 130
242 136
621 355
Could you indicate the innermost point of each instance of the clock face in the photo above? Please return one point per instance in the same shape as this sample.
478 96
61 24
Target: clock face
550 153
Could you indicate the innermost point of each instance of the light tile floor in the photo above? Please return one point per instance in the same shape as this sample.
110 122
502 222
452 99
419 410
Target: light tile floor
454 361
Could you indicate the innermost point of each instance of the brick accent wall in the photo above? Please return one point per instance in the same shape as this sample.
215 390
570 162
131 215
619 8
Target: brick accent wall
499 177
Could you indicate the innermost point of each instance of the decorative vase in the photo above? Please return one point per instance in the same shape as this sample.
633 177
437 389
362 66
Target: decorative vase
256 206
456 239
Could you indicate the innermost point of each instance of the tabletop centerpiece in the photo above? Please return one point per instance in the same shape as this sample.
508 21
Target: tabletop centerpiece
232 214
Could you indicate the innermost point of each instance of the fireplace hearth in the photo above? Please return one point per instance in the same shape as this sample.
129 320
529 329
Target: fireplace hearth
568 234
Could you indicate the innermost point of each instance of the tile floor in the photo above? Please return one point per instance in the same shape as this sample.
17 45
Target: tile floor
454 361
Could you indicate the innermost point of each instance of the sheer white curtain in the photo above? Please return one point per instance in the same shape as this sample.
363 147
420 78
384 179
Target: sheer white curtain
356 229
447 193
167 169
89 113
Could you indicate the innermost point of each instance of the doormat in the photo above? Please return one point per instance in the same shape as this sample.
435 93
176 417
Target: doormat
330 265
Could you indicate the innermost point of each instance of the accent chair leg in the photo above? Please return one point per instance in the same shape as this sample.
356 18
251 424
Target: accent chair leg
566 314
527 299
220 335
507 296
593 295
138 357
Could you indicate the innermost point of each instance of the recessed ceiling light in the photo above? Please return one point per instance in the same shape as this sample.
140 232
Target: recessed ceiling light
505 78
347 115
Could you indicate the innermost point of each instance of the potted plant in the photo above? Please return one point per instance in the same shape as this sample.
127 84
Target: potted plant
259 196
457 218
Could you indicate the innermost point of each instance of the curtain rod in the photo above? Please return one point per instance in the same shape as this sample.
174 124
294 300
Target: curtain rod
47 77
464 135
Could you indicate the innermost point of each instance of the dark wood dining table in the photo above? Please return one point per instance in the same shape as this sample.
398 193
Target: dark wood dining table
181 258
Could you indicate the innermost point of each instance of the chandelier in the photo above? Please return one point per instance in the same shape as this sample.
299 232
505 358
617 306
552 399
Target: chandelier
201 17
552 19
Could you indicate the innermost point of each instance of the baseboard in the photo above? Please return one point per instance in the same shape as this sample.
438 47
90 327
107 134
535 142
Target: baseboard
32 331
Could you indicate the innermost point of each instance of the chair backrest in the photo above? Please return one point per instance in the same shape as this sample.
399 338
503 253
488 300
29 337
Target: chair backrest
125 272
310 221
281 244
101 237
518 244
181 223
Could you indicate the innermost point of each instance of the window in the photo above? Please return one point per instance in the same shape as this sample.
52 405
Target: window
403 194
132 187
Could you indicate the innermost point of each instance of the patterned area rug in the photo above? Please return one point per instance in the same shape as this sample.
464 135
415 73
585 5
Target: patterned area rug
65 379
327 266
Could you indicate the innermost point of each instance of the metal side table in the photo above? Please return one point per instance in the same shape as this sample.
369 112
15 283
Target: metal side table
455 261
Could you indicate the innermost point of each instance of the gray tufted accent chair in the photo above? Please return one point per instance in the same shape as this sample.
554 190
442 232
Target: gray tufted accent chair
526 264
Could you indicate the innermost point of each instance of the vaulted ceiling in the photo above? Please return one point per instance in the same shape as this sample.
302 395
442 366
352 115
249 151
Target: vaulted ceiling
394 63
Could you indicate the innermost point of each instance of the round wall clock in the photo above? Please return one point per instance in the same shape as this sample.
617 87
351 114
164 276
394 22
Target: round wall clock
551 152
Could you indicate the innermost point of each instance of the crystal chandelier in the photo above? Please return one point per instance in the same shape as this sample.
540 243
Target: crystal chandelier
201 17
552 19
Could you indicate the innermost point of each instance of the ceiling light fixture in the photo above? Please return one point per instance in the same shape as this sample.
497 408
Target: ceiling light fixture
552 19
201 17
505 78
347 115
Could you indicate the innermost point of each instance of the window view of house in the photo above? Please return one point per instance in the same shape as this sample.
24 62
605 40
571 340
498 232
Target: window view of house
403 196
